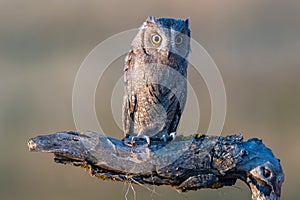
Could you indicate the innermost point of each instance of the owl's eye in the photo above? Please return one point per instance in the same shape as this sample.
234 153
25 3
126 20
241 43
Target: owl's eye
178 39
156 39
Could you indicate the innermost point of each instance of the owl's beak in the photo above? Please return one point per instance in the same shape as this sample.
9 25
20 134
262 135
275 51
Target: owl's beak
164 53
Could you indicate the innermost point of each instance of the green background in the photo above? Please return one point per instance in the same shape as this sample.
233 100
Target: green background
254 43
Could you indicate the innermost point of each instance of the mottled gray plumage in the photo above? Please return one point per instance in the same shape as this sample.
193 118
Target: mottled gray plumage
155 78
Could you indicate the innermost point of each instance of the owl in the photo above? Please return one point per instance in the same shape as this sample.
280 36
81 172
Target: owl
155 75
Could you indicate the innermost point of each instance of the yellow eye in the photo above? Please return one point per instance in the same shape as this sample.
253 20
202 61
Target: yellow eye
178 39
156 39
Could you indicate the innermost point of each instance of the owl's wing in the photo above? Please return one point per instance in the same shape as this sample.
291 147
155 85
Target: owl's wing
174 106
176 112
129 100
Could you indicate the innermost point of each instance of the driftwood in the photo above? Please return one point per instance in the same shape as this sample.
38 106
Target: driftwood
186 164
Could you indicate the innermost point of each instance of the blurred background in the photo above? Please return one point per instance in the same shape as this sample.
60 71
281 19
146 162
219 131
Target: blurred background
254 43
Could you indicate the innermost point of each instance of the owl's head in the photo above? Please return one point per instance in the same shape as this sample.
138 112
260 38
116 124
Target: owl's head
164 36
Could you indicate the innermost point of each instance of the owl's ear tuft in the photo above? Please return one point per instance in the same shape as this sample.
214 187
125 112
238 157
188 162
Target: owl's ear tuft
150 19
187 22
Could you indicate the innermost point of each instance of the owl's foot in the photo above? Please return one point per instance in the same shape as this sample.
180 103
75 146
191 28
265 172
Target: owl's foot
133 141
142 139
167 137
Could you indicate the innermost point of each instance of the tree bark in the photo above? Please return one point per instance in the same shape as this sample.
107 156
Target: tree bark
200 161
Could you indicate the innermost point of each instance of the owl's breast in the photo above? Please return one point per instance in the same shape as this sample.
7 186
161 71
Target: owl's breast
155 88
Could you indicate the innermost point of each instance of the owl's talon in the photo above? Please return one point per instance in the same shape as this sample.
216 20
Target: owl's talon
147 139
164 137
173 136
128 140
167 137
132 140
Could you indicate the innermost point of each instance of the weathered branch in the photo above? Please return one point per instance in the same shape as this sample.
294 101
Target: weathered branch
186 164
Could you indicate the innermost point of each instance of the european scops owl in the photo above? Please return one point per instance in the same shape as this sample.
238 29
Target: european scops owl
155 80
